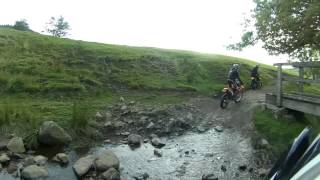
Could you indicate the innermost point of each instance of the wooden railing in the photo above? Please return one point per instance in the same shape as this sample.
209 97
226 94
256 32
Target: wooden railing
301 80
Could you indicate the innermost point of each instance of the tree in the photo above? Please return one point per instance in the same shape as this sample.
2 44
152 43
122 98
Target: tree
289 27
58 27
21 25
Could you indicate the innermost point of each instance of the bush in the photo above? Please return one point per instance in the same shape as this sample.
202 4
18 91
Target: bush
21 25
80 115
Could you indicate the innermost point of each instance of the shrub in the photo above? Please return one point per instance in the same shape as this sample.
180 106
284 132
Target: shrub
80 115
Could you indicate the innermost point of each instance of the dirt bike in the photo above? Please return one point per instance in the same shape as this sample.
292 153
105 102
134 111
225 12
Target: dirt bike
228 95
255 83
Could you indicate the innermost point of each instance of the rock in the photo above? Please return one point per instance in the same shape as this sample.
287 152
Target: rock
202 129
106 160
82 166
28 161
153 136
3 143
4 158
218 128
143 118
264 143
223 168
134 139
12 167
250 170
189 116
61 158
150 125
242 167
121 99
52 134
108 124
16 145
34 172
146 140
124 142
111 174
262 172
99 115
124 107
156 142
209 177
125 133
40 160
178 123
209 155
119 124
141 176
157 152
108 116
107 141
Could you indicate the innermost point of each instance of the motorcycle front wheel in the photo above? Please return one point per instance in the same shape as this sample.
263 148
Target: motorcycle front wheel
224 101
238 97
254 85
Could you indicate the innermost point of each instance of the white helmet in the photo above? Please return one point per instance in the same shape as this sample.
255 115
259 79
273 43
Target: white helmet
235 66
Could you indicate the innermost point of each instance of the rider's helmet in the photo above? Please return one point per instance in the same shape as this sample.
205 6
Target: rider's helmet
235 67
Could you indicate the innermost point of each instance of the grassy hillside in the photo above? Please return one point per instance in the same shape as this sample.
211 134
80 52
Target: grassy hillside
36 63
43 77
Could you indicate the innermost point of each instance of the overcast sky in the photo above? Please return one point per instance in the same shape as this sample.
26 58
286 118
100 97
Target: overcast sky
198 25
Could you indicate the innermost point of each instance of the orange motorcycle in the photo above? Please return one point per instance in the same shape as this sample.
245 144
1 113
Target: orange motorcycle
235 94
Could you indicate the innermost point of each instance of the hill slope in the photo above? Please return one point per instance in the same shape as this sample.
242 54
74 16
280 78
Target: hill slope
35 63
47 78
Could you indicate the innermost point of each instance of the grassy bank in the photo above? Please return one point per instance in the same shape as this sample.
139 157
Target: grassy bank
281 132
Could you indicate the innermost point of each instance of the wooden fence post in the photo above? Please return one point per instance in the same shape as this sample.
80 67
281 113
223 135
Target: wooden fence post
279 86
301 78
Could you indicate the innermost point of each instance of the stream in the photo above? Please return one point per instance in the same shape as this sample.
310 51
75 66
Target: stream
188 157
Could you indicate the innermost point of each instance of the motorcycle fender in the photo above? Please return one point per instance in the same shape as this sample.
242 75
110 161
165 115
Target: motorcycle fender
225 90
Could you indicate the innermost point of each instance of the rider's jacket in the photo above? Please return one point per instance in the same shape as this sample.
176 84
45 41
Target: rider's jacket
233 75
254 72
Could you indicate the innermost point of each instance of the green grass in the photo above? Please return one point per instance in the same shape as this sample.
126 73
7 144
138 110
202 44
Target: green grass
35 63
312 89
281 132
55 78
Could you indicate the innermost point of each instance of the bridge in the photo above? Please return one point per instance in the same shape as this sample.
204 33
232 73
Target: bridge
299 100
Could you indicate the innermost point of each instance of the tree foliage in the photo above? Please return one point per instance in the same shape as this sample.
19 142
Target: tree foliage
21 25
58 27
285 27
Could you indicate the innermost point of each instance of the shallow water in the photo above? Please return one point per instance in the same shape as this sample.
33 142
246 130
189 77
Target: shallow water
185 157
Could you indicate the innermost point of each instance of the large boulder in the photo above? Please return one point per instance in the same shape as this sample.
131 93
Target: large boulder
52 134
106 160
111 174
16 145
34 172
83 165
134 139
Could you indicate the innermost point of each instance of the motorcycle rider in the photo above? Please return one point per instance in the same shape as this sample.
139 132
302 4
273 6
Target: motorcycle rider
254 72
234 78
